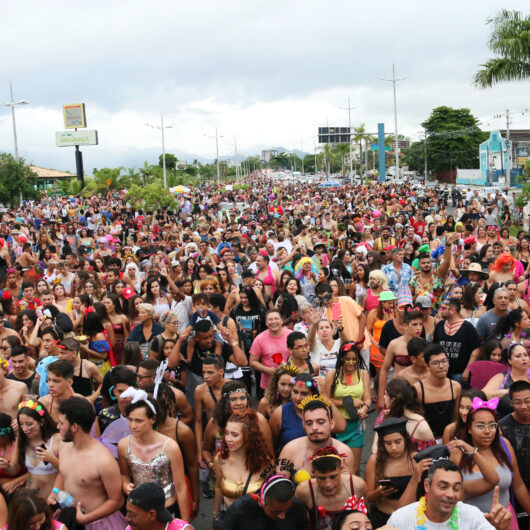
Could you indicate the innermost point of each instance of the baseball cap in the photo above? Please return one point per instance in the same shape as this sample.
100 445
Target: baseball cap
150 496
424 301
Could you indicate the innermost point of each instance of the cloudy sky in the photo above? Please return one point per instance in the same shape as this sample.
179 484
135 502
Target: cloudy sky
266 73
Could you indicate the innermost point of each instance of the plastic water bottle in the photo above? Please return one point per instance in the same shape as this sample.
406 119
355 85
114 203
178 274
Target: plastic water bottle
64 499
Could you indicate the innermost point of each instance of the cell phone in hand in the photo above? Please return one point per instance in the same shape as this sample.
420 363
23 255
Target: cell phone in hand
385 483
336 311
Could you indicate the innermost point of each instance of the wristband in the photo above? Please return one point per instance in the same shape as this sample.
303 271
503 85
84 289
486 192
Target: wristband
472 453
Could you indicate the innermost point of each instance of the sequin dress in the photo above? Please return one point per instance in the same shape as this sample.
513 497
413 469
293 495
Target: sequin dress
157 470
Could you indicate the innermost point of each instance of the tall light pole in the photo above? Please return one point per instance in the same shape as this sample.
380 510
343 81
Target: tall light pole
12 104
349 109
216 152
394 80
162 127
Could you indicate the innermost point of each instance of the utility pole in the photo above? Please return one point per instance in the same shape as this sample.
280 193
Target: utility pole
394 80
349 108
425 154
302 148
12 104
161 127
216 153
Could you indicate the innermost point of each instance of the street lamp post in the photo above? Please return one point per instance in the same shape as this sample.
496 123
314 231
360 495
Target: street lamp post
12 104
216 152
349 108
394 80
162 127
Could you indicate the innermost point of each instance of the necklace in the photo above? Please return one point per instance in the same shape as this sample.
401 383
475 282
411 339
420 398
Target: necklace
421 519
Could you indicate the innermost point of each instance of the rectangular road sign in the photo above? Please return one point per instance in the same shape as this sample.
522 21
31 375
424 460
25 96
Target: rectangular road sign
74 116
70 138
375 147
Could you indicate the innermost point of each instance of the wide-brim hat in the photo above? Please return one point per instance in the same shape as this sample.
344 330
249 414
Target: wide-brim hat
475 267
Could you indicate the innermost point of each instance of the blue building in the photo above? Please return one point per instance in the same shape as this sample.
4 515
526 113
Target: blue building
494 154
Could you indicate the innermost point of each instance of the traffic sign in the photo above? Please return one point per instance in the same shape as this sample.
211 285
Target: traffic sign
375 147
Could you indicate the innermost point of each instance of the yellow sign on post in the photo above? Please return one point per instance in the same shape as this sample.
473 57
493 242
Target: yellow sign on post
74 116
109 182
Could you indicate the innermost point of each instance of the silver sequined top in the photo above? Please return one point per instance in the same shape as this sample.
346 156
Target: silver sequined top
157 470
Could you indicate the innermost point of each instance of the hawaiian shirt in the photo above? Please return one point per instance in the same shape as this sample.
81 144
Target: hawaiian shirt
398 282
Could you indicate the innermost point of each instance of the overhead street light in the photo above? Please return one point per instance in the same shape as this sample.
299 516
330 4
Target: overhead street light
162 127
13 104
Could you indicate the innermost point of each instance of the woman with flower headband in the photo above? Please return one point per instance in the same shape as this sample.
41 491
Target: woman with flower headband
327 493
348 387
354 518
241 461
498 386
279 390
37 448
487 460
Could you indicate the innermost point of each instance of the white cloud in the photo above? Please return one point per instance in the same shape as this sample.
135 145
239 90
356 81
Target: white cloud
268 73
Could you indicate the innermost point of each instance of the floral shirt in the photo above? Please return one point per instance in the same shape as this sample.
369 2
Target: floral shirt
434 289
398 282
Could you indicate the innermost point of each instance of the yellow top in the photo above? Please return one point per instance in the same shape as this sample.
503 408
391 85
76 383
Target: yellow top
234 490
355 391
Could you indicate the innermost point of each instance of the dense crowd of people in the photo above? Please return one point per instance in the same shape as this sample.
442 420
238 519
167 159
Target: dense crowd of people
234 347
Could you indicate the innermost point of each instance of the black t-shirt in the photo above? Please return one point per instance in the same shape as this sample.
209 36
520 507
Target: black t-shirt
247 513
249 323
389 333
28 382
199 355
458 346
518 434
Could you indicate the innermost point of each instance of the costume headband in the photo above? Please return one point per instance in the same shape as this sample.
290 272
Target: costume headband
159 376
308 399
138 395
267 485
353 504
479 404
5 430
33 405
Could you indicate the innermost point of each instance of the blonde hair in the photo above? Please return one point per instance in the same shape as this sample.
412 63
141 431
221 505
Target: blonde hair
148 308
380 276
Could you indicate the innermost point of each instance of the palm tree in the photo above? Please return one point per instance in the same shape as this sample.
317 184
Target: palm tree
510 40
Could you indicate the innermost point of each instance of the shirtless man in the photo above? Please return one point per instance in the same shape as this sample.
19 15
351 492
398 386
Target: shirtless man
438 395
418 370
11 392
269 276
329 489
13 283
5 332
206 396
87 469
396 353
295 457
85 372
27 259
60 380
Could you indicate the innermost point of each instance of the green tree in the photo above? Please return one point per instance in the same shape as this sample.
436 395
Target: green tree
415 156
281 161
510 41
453 139
16 178
130 177
524 197
171 161
106 174
150 197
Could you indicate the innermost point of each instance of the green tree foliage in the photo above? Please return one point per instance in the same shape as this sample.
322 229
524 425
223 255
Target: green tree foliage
171 161
101 176
524 197
453 139
510 42
415 156
16 177
150 197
